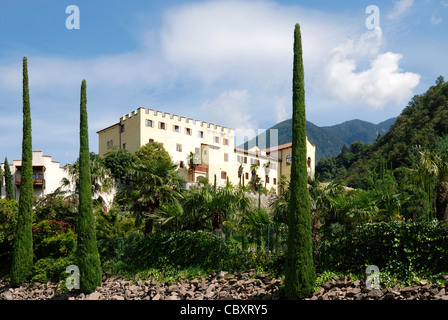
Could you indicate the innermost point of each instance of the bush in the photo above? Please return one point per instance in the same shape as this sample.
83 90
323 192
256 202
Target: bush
399 248
8 220
179 250
51 269
53 239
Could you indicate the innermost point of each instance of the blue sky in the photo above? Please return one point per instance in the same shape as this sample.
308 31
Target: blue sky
225 62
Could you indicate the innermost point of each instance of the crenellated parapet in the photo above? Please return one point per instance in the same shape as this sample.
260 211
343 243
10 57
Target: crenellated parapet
157 115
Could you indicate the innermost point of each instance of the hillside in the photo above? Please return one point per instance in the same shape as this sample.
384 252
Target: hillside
329 140
422 125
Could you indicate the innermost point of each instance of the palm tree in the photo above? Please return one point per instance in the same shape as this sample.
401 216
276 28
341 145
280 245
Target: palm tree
192 164
153 184
266 167
102 180
240 173
202 205
437 166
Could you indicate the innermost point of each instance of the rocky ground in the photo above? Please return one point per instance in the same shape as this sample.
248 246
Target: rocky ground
222 286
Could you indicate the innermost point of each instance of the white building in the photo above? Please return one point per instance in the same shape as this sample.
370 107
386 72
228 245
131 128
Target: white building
47 175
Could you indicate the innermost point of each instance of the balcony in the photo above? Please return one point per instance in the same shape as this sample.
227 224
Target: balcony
36 182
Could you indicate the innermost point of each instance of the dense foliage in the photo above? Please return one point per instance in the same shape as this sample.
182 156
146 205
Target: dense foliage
399 248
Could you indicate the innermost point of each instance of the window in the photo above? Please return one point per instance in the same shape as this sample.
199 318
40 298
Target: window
201 134
162 125
247 175
176 128
225 142
34 176
151 140
122 128
124 145
267 179
110 144
223 175
181 164
245 159
288 160
40 176
226 157
149 123
179 147
275 181
273 166
216 139
309 162
188 131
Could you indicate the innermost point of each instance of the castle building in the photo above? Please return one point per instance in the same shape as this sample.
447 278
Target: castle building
47 175
213 147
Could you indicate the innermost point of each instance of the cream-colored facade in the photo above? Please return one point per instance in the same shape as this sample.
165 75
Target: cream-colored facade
267 167
47 175
284 154
213 146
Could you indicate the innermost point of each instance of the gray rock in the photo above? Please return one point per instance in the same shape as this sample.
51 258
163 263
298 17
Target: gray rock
375 293
94 296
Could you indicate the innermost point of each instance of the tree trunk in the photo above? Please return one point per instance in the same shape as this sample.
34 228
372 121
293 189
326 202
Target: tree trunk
149 220
217 221
442 201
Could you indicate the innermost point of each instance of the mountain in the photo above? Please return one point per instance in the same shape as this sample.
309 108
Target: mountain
328 140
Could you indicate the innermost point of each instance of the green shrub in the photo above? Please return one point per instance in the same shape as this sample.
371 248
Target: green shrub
8 220
399 248
178 250
51 269
53 239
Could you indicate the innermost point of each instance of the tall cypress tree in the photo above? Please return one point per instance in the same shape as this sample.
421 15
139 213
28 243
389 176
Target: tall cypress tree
9 186
22 260
300 274
87 251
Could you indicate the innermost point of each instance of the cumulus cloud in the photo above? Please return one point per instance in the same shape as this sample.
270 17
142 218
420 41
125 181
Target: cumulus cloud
380 83
244 39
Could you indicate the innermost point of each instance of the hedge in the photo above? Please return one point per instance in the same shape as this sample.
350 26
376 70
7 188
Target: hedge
397 247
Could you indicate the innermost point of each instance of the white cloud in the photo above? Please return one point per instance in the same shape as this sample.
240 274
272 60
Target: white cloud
401 7
434 20
245 39
379 84
282 109
231 108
